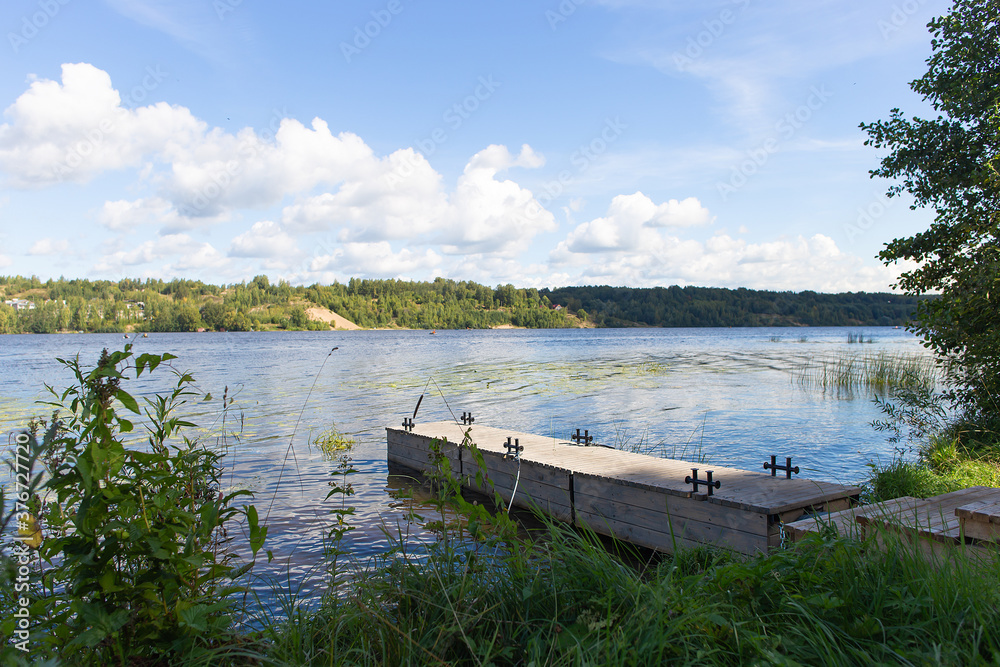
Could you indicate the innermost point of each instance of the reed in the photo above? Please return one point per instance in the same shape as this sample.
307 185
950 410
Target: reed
879 372
858 337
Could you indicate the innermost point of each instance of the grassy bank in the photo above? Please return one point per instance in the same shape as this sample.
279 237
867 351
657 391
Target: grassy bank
567 600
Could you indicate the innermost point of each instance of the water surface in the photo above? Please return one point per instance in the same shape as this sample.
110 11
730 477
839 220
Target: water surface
722 396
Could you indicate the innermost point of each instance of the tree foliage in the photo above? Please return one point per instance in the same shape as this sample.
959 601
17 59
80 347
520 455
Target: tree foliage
717 307
950 164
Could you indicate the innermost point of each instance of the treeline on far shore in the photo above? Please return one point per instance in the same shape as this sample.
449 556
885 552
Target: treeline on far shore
100 306
718 307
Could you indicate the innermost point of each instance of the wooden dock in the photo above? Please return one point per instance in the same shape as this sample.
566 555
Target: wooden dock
633 497
969 518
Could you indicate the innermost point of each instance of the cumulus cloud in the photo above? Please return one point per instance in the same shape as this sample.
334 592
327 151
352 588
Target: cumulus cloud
488 215
77 129
186 254
378 215
630 224
401 197
373 259
49 247
395 197
123 215
723 261
265 239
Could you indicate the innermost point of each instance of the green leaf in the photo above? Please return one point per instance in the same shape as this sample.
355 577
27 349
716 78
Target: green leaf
128 401
258 533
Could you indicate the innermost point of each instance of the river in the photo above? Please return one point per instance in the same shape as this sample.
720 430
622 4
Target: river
723 396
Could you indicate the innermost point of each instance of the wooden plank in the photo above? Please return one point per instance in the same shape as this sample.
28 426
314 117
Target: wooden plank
982 511
403 449
661 540
935 550
845 521
981 520
408 462
503 484
935 518
669 526
540 483
669 504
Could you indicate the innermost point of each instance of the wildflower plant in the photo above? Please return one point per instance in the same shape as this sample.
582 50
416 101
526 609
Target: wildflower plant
139 558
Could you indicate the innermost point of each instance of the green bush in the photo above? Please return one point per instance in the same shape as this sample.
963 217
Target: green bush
139 568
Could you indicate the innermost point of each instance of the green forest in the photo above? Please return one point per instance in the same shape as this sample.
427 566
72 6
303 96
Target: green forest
101 306
716 307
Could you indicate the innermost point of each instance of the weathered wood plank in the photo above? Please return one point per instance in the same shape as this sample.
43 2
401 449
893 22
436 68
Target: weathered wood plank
935 518
980 520
669 526
643 498
527 489
418 450
845 521
662 540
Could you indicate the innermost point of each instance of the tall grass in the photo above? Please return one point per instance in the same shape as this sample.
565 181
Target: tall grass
879 372
568 601
858 337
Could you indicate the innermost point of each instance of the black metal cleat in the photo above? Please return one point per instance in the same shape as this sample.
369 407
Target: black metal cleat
408 424
787 468
513 448
584 439
467 418
707 482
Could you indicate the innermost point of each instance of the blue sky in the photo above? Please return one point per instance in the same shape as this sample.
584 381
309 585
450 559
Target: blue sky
622 142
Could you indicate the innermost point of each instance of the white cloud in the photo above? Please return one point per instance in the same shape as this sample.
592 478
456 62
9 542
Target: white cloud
494 216
77 129
376 260
400 197
124 215
5 261
629 224
186 253
395 197
49 247
265 239
722 261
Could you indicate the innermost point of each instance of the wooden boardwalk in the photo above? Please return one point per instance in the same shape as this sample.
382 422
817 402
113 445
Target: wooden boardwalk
968 517
633 497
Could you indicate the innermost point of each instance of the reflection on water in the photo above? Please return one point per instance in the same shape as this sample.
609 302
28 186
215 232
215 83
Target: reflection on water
725 396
